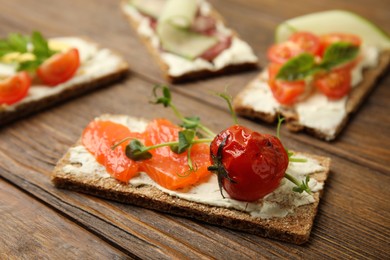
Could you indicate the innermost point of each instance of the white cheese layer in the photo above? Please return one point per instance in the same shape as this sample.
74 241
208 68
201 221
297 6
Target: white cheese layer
279 203
238 53
94 63
317 111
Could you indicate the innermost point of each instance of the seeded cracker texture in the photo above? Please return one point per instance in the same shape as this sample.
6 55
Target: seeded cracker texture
190 76
25 109
294 228
355 99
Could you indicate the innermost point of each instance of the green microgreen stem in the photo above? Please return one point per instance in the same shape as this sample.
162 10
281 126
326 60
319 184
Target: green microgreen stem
300 187
120 142
280 121
297 160
166 100
228 100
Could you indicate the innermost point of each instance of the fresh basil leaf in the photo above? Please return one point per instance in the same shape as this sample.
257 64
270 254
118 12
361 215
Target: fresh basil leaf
30 65
338 53
41 47
18 42
297 68
135 150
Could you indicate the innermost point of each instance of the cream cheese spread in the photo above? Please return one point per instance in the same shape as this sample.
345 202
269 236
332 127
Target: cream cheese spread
239 51
94 63
279 203
317 111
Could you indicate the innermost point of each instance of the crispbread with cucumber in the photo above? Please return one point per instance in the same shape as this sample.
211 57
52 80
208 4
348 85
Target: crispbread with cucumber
238 178
36 73
321 69
188 39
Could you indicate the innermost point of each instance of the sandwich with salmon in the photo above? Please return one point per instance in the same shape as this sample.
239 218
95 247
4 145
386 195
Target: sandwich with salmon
237 178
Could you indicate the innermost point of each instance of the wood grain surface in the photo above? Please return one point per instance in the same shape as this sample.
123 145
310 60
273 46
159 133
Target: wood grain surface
40 221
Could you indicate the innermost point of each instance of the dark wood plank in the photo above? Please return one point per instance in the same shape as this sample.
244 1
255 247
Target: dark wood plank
352 221
31 230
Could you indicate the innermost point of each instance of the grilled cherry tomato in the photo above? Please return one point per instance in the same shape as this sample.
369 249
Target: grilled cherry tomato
59 68
167 168
285 92
14 88
306 41
255 163
334 84
282 52
328 39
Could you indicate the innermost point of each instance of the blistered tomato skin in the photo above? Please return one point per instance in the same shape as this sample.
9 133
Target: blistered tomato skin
255 162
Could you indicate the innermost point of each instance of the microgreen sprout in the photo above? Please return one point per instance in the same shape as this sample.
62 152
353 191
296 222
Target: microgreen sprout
300 187
225 95
187 122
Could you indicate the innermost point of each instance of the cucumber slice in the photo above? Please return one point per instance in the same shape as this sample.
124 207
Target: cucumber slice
183 42
174 32
151 8
335 21
180 13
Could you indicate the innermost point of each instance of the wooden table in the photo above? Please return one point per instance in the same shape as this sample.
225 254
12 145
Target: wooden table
40 221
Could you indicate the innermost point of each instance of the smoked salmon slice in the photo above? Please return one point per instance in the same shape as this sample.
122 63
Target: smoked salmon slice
168 169
99 136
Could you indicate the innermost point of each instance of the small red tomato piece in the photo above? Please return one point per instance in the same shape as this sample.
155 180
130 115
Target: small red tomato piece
334 84
14 88
280 53
255 163
328 39
306 41
285 92
59 68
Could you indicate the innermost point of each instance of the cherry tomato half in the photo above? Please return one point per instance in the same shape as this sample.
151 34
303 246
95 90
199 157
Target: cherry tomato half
254 162
306 41
285 92
14 88
328 39
59 68
280 53
334 84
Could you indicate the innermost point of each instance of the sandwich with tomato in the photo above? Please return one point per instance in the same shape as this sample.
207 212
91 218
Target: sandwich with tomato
188 39
319 71
36 73
237 178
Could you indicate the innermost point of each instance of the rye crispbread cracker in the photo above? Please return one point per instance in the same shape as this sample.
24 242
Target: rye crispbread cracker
358 94
23 109
193 75
293 228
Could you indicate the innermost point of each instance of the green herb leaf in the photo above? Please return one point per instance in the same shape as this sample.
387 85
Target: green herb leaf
136 151
228 99
186 138
304 186
297 68
191 122
41 47
30 65
14 43
338 53
165 99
